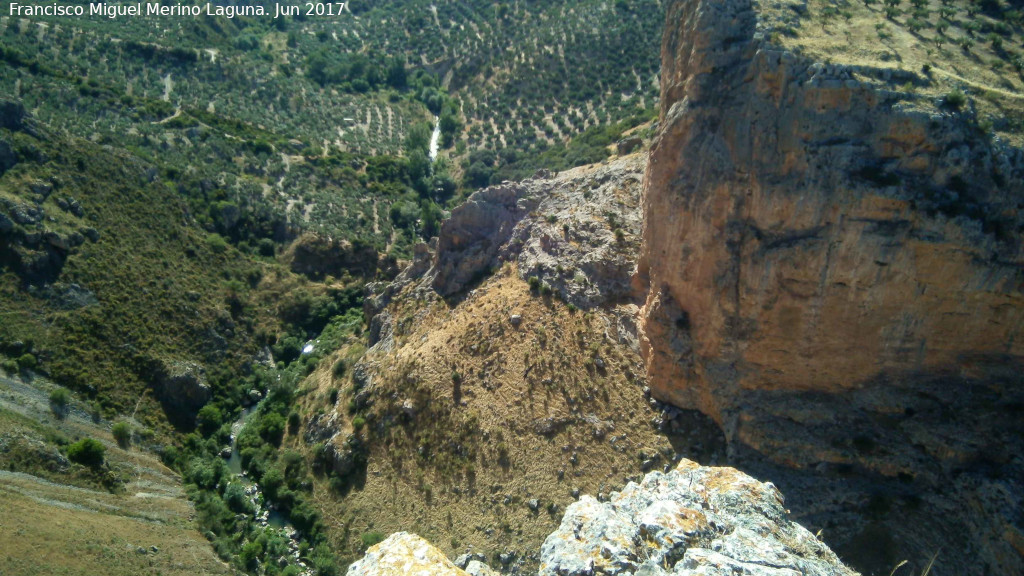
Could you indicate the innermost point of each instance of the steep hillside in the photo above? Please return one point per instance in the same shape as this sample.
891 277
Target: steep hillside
128 515
103 280
189 208
833 271
475 420
230 240
113 289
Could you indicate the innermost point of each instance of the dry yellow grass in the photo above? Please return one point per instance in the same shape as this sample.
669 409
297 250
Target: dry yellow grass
50 529
67 523
850 32
462 471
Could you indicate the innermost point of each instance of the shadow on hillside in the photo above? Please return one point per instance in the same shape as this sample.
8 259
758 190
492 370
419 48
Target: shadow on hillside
901 467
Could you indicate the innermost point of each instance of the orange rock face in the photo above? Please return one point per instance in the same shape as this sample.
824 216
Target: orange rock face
832 270
807 231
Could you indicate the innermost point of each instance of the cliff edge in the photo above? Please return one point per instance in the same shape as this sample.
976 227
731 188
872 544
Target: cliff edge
807 230
833 271
692 520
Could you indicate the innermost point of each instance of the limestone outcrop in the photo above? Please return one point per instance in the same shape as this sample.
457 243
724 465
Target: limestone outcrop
576 232
29 242
318 257
181 387
470 239
407 554
804 230
692 520
833 271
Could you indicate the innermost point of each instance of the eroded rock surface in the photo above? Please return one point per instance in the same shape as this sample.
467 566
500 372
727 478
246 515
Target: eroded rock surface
834 273
576 232
318 257
689 521
805 230
407 555
182 388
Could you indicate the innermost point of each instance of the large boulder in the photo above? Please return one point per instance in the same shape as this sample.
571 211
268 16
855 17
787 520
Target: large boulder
470 240
182 389
576 232
691 520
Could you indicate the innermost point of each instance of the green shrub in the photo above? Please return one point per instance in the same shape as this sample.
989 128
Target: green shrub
60 398
27 362
236 499
205 473
209 419
271 428
955 99
249 557
371 539
217 243
95 411
323 560
358 422
265 247
88 452
122 432
339 368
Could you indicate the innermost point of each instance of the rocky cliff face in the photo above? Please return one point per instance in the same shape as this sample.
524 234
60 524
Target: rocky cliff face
509 401
805 230
833 269
692 520
576 232
36 236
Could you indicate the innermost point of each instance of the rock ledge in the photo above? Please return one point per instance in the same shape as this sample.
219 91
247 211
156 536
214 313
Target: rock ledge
693 520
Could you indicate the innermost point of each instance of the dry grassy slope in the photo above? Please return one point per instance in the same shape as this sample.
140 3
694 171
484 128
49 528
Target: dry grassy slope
50 530
851 33
464 494
56 528
472 417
